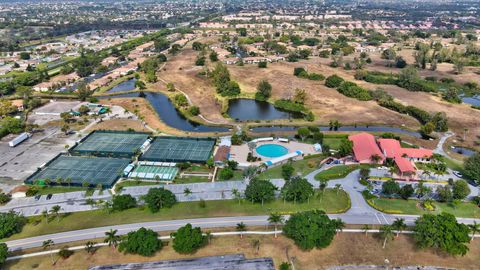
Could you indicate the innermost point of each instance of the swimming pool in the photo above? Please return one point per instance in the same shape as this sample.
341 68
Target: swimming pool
271 150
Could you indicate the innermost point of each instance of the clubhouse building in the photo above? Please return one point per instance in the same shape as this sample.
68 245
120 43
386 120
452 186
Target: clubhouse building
367 149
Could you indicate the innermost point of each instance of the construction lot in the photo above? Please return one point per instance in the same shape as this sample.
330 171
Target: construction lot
17 163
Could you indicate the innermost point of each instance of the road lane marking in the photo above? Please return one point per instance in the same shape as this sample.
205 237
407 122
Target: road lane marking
129 229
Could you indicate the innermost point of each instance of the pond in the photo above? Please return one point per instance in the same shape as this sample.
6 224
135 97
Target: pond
475 100
169 114
125 86
463 151
342 128
245 109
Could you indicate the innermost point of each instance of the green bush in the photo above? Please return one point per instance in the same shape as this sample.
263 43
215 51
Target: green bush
352 90
333 81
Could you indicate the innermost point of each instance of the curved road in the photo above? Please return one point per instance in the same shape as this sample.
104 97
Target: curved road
359 213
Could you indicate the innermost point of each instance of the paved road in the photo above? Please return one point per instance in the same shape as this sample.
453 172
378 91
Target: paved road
170 225
441 142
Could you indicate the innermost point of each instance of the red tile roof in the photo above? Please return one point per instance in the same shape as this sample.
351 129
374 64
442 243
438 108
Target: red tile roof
392 148
404 165
365 146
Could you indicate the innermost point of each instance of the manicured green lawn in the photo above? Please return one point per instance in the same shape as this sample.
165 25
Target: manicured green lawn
336 172
237 175
191 179
453 164
304 167
329 202
333 143
409 207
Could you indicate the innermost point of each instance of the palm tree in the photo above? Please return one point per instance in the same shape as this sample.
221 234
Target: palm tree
47 244
209 236
112 238
339 225
276 219
338 187
237 195
187 192
68 181
474 228
90 202
375 158
90 247
365 228
256 245
386 232
241 227
399 225
45 215
55 211
251 146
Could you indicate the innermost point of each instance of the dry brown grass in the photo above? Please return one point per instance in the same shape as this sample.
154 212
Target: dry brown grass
181 71
120 124
347 249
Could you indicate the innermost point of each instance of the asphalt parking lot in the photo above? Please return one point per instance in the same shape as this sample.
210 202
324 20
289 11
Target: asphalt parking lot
51 111
17 163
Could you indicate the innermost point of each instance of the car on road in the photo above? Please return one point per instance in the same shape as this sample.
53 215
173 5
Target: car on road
38 197
49 196
458 174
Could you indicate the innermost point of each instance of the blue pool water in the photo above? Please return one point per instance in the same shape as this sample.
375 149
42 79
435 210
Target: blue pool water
271 150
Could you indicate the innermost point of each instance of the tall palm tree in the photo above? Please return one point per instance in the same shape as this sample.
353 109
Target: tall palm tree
339 225
56 211
45 215
209 236
474 228
386 232
241 227
68 181
237 195
365 228
47 244
399 225
338 187
90 202
276 219
256 245
112 238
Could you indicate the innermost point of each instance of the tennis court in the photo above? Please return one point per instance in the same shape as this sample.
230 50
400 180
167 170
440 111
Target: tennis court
110 144
180 149
155 171
73 170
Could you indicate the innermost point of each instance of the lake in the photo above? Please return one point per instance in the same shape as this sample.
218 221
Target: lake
245 109
169 114
125 86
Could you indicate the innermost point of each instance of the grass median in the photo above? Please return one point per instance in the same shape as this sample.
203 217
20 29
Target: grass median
303 167
337 172
411 207
330 201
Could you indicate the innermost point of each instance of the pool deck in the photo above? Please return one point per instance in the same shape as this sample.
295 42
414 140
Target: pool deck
239 153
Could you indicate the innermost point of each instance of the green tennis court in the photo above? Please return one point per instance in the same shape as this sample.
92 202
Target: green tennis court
110 144
179 149
75 171
154 171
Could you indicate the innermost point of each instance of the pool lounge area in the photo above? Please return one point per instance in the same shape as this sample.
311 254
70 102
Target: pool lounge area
269 149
